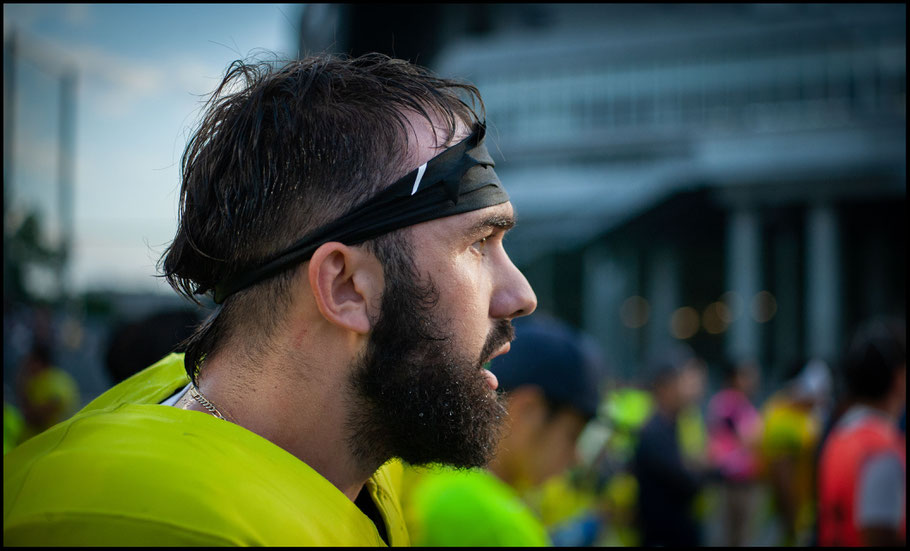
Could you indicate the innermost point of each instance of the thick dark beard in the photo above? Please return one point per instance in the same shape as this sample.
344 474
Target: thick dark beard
416 396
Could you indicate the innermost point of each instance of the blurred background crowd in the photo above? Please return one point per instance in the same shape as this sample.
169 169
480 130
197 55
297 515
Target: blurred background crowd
713 195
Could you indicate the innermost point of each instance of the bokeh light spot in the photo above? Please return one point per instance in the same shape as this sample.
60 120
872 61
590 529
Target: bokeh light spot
684 322
764 306
634 312
716 318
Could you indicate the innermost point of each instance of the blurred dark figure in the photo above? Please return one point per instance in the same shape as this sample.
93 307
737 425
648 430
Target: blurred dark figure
862 472
692 425
734 430
793 421
137 345
666 485
841 402
627 409
46 393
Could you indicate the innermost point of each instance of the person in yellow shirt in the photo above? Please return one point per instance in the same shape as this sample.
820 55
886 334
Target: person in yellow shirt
550 379
345 215
626 409
791 434
47 393
143 472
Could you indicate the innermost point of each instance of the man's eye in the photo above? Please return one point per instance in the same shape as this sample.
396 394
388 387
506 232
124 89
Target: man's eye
480 244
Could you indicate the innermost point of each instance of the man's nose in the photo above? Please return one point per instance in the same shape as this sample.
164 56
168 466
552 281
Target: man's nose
513 296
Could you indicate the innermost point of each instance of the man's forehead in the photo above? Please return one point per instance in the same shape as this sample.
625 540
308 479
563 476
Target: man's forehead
426 141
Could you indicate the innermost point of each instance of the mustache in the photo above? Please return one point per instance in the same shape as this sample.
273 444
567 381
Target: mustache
501 333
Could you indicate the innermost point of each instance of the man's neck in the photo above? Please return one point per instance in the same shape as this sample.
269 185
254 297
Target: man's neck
299 408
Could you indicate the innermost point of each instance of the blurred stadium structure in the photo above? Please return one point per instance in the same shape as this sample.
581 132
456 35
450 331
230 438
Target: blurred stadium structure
729 175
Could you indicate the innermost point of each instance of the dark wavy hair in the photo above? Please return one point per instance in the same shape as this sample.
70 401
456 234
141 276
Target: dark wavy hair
281 150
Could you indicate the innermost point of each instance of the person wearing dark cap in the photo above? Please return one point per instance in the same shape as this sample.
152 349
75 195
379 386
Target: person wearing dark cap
550 379
666 485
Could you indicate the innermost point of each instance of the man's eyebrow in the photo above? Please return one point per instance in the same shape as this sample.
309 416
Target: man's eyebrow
498 221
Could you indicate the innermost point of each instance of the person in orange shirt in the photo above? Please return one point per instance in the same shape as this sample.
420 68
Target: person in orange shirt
863 465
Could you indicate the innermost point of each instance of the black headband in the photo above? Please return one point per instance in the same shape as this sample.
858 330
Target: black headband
458 180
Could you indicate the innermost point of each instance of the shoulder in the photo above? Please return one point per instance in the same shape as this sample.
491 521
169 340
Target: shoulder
101 468
386 489
176 473
729 399
149 386
472 508
869 426
445 484
858 437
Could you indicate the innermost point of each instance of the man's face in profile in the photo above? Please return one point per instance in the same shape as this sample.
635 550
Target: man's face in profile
449 296
426 395
423 396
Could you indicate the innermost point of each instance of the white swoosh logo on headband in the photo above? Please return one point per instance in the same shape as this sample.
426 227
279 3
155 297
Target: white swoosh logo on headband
420 172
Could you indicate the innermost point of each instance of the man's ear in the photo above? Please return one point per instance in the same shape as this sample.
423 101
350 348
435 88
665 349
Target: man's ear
345 281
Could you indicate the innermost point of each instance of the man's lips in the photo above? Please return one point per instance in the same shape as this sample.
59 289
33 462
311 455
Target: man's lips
502 350
492 381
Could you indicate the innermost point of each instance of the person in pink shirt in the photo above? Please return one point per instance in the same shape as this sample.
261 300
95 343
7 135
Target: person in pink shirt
734 430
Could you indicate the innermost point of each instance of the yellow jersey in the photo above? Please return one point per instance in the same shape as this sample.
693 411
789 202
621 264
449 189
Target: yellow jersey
126 470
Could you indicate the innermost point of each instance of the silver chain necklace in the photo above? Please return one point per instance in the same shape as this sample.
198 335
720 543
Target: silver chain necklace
197 395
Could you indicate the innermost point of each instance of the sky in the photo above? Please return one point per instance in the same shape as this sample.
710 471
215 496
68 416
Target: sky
143 71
